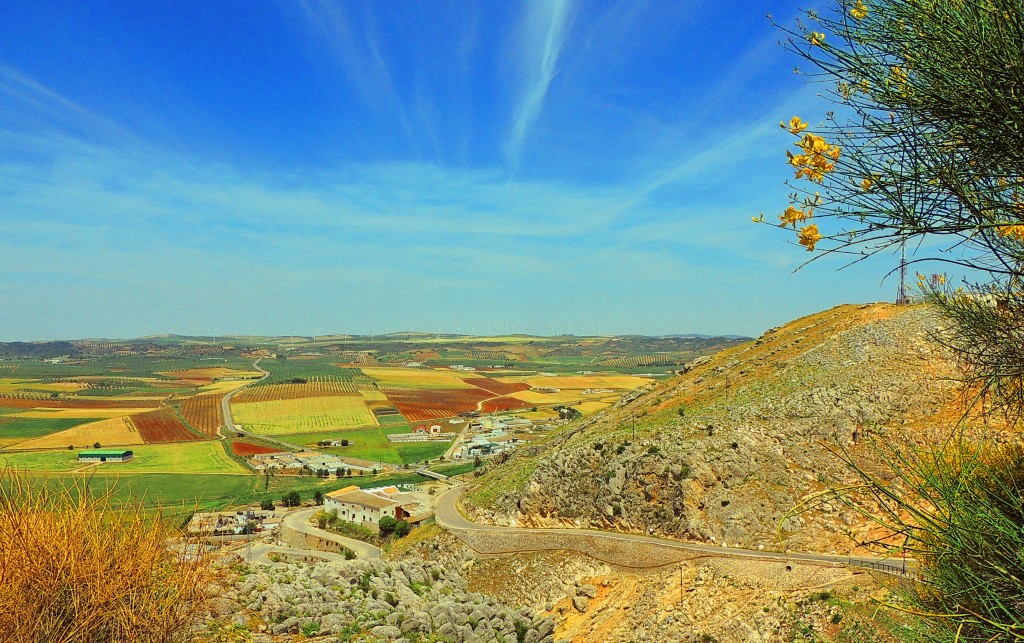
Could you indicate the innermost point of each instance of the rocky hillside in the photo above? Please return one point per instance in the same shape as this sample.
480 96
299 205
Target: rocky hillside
402 600
723 452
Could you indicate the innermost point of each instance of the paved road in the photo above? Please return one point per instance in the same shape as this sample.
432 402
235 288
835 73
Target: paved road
225 408
299 521
225 403
449 517
260 553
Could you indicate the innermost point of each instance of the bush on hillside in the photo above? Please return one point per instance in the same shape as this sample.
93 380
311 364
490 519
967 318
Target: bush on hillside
76 567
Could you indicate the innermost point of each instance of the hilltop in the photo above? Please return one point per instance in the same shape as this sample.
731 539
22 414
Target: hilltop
723 452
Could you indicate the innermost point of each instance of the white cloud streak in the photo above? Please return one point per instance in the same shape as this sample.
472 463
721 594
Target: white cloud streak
546 29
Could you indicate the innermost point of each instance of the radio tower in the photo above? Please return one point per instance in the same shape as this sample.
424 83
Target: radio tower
901 293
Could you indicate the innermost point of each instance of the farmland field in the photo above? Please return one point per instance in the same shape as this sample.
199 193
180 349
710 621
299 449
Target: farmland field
618 382
93 414
189 457
203 413
312 388
303 415
498 387
112 432
415 378
18 429
426 404
162 425
503 404
283 370
206 376
246 449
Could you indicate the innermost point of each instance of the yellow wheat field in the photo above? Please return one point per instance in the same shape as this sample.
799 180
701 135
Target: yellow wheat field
307 414
401 377
109 432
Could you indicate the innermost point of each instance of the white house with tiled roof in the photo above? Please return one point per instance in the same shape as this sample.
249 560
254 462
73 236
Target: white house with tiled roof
358 506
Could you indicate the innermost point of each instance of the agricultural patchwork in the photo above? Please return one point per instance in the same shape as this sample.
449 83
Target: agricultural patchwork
163 397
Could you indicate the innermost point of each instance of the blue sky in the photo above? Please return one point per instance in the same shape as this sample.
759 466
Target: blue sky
308 166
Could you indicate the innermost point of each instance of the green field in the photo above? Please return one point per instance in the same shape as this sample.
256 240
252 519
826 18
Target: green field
392 420
185 457
180 494
283 370
372 444
26 428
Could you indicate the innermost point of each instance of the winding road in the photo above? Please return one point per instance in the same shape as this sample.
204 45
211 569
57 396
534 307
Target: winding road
299 521
605 545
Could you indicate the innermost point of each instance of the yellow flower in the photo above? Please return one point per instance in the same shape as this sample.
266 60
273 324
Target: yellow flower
792 216
1015 232
816 38
866 184
808 236
859 10
899 75
759 219
795 125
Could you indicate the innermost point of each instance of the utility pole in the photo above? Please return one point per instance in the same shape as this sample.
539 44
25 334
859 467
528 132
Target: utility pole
901 293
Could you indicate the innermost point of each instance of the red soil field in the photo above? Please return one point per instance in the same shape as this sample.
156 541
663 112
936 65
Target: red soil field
203 413
504 404
431 404
161 426
246 449
49 403
495 386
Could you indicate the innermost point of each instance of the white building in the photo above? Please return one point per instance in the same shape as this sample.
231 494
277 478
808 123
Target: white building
359 507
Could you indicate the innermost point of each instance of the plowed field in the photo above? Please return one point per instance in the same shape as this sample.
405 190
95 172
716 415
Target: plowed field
503 404
496 386
246 449
162 425
426 404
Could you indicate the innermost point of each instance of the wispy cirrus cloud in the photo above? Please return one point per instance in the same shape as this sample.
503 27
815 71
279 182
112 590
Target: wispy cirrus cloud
26 103
545 29
358 50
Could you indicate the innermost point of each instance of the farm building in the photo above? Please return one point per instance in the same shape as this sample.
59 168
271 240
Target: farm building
361 507
105 455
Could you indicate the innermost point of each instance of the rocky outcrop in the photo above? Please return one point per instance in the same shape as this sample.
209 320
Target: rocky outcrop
407 600
724 452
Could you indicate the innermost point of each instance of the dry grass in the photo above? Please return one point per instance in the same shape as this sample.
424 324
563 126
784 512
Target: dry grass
74 568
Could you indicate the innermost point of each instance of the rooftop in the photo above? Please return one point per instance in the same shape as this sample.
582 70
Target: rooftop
364 499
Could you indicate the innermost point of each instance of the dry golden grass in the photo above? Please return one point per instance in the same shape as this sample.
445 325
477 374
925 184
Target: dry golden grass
74 568
111 432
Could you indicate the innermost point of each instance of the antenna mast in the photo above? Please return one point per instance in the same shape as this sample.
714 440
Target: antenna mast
901 293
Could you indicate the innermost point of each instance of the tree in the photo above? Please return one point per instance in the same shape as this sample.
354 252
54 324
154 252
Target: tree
924 149
386 525
267 505
95 445
291 499
339 472
318 497
402 529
